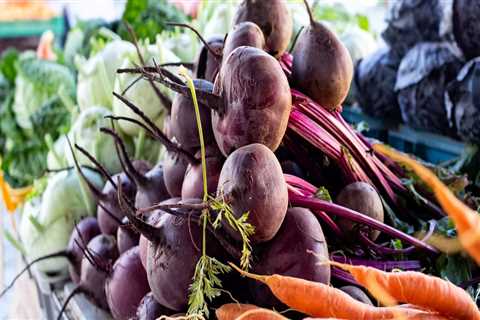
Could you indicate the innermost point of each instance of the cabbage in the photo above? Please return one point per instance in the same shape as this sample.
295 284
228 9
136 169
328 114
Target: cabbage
358 42
466 27
374 83
96 75
462 101
422 78
38 83
56 157
86 133
142 93
46 228
412 21
216 18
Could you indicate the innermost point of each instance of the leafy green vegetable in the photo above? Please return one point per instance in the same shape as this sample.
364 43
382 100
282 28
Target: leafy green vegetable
149 18
454 268
7 65
37 82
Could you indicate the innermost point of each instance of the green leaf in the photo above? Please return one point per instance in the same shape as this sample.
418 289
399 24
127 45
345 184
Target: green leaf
148 18
363 22
454 268
323 194
7 65
15 243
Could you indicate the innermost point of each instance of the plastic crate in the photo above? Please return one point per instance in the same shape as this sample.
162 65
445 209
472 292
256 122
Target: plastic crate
433 148
32 28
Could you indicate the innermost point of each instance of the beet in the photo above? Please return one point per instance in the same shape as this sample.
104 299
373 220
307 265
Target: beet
152 219
192 186
127 237
175 258
174 168
98 258
273 17
357 294
286 254
244 34
256 101
153 189
252 181
322 67
208 64
126 285
150 309
93 276
108 204
85 230
183 123
465 26
363 198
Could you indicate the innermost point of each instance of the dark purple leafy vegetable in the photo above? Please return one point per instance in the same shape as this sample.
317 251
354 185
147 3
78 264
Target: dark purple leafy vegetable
421 81
412 21
374 83
466 27
462 101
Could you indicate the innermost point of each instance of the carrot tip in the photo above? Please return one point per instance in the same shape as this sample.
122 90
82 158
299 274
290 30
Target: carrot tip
248 274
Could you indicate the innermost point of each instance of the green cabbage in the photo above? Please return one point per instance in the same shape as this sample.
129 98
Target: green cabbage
39 82
46 226
86 133
96 76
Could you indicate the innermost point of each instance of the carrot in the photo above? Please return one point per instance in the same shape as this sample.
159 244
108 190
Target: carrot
467 221
319 300
231 311
425 291
420 316
261 314
7 199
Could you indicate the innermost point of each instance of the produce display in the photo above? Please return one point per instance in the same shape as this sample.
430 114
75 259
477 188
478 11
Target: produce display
193 163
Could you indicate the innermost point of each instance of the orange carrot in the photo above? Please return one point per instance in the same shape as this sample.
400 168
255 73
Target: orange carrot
425 291
261 314
319 300
231 311
467 221
420 316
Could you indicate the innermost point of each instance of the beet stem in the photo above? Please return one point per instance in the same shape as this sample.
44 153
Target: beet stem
96 192
131 84
296 38
123 156
205 43
110 214
77 289
171 146
97 164
310 14
62 253
317 204
150 232
163 99
132 120
190 206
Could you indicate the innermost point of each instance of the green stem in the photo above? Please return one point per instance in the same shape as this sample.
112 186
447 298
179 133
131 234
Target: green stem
191 86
